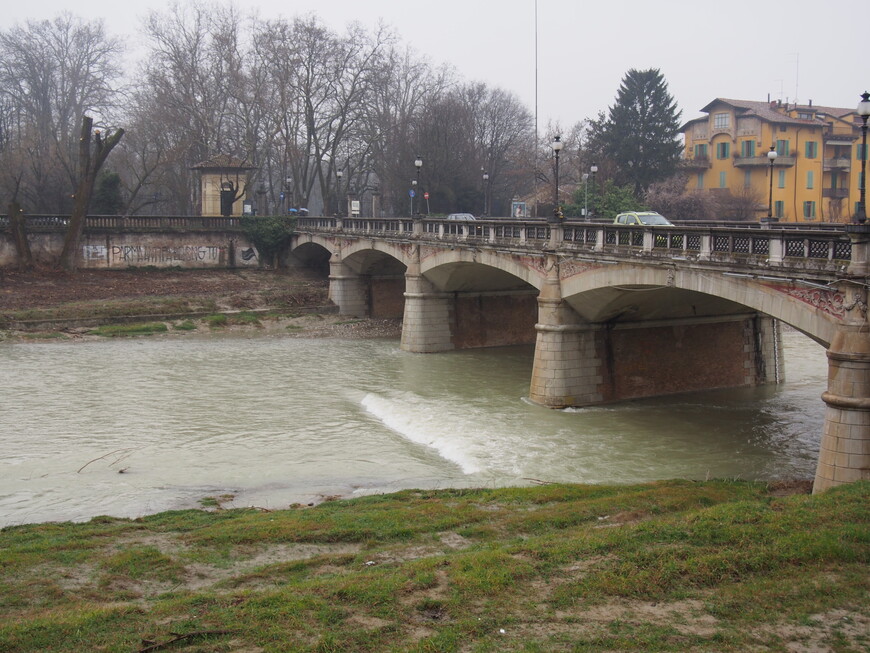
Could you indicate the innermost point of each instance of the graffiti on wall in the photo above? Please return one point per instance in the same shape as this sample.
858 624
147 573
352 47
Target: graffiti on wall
151 255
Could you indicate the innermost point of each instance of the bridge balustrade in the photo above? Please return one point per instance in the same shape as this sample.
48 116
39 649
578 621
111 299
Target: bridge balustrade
807 248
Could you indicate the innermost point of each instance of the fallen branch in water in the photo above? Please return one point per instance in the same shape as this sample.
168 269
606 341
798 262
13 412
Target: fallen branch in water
119 459
178 637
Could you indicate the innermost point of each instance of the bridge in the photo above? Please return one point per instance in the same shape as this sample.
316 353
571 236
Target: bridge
620 312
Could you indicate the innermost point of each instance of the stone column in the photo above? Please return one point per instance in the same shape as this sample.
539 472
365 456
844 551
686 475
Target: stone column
427 319
567 368
844 454
348 290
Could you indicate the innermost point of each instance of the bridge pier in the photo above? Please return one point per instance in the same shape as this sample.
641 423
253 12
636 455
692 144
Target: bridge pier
347 290
844 453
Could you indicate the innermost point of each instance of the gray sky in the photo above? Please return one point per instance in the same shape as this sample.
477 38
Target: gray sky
741 49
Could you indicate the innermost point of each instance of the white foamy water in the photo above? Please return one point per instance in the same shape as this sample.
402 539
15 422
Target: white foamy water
129 427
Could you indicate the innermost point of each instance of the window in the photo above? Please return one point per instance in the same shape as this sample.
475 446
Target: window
779 208
781 182
782 148
810 210
723 150
805 116
700 183
747 179
701 151
812 149
810 179
723 179
747 149
720 121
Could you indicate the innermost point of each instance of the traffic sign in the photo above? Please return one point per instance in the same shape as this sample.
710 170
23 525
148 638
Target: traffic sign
412 193
426 195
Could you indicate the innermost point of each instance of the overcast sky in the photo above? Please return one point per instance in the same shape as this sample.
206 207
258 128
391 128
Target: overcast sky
740 49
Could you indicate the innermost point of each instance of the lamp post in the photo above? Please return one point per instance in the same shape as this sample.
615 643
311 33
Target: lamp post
586 196
338 175
418 163
864 112
771 155
594 170
485 188
557 147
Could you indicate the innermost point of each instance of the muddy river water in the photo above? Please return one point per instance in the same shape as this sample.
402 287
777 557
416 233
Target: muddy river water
135 426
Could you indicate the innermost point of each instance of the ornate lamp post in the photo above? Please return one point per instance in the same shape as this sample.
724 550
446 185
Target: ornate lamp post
418 163
485 188
557 147
864 112
586 196
594 170
771 155
339 174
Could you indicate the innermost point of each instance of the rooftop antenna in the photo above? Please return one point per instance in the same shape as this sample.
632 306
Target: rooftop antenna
797 68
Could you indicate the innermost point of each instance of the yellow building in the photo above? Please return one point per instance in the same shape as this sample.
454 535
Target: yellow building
816 173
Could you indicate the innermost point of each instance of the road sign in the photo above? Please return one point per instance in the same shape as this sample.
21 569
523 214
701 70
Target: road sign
426 196
412 193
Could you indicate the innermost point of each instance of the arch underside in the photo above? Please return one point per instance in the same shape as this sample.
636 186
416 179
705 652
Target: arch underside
606 294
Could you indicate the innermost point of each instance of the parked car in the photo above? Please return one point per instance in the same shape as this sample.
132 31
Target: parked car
462 217
645 218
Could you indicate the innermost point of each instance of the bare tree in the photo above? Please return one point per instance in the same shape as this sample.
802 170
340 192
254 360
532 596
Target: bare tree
51 73
91 159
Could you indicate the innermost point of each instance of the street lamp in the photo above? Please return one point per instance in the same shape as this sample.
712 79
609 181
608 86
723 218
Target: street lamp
864 112
338 175
485 184
413 193
557 147
586 196
418 163
771 155
594 170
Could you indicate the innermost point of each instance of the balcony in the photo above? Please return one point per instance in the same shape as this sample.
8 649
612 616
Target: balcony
839 163
697 163
835 193
762 161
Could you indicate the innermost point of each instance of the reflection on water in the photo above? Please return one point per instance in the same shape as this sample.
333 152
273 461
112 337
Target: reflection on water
129 427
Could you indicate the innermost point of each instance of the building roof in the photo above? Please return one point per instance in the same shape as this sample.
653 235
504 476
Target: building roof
223 162
769 111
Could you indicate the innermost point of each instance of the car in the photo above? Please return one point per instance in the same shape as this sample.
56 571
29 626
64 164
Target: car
645 218
462 217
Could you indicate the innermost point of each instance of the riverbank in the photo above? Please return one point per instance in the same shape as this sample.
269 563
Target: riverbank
670 566
89 304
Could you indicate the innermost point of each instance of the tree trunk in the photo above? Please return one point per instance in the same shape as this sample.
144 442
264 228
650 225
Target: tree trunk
19 234
89 168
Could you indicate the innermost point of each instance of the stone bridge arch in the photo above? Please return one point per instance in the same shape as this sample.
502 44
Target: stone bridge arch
604 293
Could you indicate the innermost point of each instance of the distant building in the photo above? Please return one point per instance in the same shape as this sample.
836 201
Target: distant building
815 174
223 186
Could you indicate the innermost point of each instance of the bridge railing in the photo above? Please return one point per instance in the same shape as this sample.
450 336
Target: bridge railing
815 247
132 223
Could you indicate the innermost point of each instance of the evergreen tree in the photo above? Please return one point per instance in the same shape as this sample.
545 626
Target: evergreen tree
642 131
107 199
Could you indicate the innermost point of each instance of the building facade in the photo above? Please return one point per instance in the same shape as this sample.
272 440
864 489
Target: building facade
816 174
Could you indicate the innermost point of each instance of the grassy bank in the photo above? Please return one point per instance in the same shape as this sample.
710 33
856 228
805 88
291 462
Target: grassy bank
670 566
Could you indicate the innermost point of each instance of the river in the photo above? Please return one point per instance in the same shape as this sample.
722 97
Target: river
129 427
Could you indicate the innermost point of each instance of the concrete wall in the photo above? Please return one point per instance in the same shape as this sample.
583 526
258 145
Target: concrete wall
663 360
387 297
123 250
494 320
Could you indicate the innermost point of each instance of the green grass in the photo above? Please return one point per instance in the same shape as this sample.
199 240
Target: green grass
669 566
122 330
